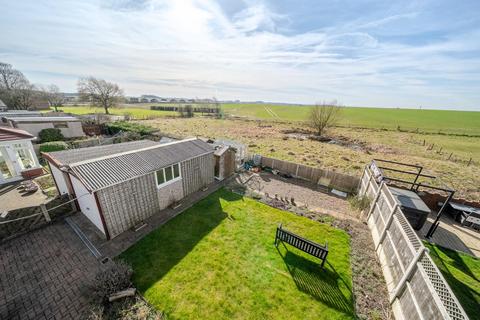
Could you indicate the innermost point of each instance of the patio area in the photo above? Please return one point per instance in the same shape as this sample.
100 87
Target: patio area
452 235
12 198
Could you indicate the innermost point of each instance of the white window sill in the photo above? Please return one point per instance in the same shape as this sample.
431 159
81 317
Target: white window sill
160 186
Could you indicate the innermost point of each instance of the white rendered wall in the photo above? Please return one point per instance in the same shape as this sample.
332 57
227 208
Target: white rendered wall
59 179
87 203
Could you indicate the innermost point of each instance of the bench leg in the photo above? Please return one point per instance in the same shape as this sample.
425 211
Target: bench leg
323 262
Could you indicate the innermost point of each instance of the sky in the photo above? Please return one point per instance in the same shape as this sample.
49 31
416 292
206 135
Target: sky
361 53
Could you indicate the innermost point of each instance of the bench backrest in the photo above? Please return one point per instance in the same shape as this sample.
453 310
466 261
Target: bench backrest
303 244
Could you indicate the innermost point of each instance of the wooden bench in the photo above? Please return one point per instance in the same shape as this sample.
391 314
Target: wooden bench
302 244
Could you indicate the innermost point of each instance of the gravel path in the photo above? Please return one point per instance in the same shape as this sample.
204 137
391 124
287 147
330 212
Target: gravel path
304 193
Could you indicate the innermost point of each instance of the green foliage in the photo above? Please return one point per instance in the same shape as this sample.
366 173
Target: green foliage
217 260
462 273
116 127
53 146
186 111
359 203
50 134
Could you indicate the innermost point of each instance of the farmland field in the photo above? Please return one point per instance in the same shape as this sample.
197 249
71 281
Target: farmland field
444 144
351 150
460 122
430 121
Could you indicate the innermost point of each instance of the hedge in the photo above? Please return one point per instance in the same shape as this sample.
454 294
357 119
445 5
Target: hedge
117 126
50 134
53 146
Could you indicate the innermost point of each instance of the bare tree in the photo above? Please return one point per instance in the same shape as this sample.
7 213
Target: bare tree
100 93
15 89
324 115
53 95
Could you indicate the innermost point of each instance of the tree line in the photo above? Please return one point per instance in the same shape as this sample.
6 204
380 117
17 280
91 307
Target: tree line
18 93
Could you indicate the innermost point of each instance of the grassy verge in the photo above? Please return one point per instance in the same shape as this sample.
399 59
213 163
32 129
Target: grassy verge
217 260
462 273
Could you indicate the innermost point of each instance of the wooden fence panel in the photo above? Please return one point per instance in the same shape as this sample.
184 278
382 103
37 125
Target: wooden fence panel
328 178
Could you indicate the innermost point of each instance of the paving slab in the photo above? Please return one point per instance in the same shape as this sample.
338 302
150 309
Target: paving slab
46 274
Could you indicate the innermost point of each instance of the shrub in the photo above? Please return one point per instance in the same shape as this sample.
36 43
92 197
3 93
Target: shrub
50 134
359 203
53 146
186 111
117 126
113 279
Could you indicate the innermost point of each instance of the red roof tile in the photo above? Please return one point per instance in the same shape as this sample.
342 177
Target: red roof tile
8 134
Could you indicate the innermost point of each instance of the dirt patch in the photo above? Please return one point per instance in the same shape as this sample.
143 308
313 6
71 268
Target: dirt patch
340 140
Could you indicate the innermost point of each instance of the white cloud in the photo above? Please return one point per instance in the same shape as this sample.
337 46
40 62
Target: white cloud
191 48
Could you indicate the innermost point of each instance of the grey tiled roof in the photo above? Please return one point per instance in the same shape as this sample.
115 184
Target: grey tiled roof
67 157
102 172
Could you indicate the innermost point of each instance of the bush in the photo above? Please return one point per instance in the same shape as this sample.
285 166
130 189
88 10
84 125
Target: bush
116 127
186 111
50 134
53 146
113 279
359 203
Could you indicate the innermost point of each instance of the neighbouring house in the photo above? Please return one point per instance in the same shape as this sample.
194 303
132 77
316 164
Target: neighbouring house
71 127
17 156
224 162
118 186
4 115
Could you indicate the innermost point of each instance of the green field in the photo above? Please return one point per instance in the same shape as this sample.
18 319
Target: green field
431 121
462 273
435 121
217 260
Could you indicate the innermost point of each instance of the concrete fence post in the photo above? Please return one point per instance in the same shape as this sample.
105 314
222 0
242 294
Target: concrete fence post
368 184
45 212
387 226
377 196
296 171
407 275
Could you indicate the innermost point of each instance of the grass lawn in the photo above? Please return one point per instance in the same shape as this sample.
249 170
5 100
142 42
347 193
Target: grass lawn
462 273
433 121
217 260
445 121
136 113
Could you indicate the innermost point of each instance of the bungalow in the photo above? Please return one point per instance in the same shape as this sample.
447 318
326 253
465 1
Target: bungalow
118 186
17 156
70 127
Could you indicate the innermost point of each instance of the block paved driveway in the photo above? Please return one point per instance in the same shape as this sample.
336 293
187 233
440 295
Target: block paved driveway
45 274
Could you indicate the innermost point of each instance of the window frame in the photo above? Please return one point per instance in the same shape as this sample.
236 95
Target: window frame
165 181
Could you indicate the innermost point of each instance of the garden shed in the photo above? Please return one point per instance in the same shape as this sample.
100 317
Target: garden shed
119 186
224 162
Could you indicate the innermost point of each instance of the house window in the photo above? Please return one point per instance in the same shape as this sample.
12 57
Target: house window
60 125
168 174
